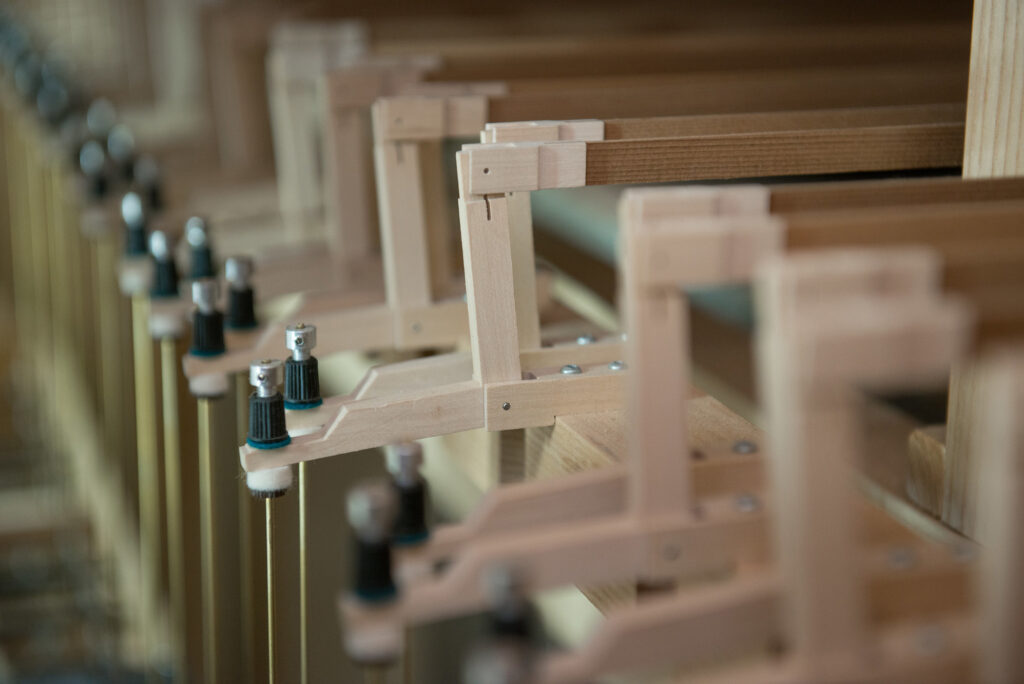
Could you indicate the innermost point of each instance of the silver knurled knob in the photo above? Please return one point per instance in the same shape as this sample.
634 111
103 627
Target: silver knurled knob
131 209
404 461
204 294
159 245
265 375
300 339
237 271
120 143
372 507
195 232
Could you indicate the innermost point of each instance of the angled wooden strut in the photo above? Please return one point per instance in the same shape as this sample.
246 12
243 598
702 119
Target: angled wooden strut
508 389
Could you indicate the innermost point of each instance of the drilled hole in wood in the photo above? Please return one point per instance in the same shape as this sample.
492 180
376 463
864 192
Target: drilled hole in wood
486 171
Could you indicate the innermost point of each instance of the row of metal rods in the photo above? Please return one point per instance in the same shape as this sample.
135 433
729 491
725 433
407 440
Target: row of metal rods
70 321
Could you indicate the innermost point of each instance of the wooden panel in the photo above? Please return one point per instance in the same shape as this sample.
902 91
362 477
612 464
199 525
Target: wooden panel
813 196
726 92
765 122
752 155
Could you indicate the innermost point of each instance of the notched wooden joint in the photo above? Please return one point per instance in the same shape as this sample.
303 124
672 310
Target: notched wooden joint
523 167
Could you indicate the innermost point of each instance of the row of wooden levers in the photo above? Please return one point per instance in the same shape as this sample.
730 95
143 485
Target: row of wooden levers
178 312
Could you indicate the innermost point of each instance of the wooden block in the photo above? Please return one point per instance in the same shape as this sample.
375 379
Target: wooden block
543 131
514 167
926 455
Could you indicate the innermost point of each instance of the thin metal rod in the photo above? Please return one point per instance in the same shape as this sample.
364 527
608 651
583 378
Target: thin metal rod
247 547
270 590
206 534
303 615
172 487
148 464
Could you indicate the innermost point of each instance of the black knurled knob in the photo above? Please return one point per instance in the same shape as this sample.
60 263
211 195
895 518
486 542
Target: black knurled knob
241 309
207 322
267 427
302 384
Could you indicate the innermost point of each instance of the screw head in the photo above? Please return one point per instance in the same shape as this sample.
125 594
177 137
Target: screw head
266 373
571 369
237 271
744 446
616 365
900 558
506 406
585 339
747 503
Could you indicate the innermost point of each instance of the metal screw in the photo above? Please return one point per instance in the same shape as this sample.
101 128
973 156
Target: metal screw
616 365
744 447
506 406
265 375
964 553
900 558
747 503
571 369
585 339
300 340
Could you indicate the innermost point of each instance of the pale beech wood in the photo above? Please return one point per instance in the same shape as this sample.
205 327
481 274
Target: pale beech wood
993 146
808 380
524 272
487 257
999 474
403 229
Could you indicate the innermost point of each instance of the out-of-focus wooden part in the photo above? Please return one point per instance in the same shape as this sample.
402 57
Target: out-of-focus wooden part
993 146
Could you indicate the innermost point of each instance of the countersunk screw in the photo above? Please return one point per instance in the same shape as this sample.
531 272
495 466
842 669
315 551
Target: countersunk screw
747 503
506 406
616 365
744 447
900 558
571 369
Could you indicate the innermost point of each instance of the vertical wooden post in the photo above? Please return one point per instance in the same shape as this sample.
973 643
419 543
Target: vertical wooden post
403 231
993 146
524 269
490 292
1000 437
657 348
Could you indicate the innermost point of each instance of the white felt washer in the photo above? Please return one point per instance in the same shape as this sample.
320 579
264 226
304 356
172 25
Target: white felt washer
270 481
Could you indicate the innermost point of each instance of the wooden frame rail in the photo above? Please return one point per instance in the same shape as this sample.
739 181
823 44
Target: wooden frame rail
507 363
